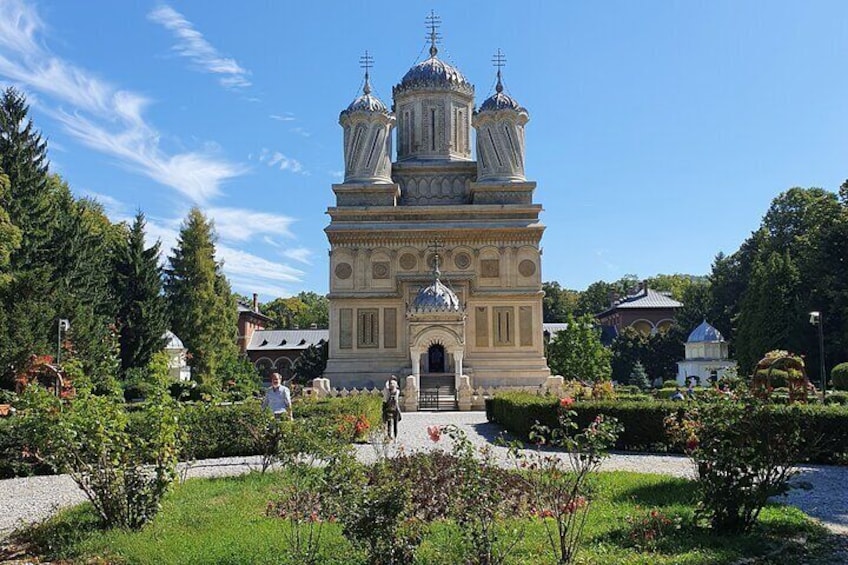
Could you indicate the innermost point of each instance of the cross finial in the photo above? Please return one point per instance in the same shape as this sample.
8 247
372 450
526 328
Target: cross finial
435 247
499 60
433 22
366 62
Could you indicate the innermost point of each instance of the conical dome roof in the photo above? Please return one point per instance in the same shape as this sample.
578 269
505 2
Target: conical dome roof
705 333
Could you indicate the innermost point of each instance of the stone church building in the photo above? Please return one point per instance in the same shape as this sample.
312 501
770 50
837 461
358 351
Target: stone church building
435 265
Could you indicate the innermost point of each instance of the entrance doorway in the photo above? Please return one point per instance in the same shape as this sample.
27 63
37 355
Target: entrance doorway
436 359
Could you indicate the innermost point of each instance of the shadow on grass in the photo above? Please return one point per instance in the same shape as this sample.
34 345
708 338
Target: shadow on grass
61 536
671 492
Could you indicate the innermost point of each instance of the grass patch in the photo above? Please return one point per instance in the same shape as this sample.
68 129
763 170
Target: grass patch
206 521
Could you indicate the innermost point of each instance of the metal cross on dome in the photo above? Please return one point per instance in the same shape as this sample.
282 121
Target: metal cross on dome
499 61
435 247
366 62
433 22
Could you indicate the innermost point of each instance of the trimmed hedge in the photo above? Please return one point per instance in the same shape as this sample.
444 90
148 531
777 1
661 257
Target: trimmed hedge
644 428
210 430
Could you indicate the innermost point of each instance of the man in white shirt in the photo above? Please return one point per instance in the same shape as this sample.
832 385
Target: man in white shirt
278 398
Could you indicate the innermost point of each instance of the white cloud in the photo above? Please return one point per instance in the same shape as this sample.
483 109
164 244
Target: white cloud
102 116
300 254
236 224
280 161
113 207
192 45
288 117
252 273
300 131
336 174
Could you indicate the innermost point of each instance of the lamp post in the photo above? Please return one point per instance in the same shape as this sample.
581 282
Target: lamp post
64 325
816 320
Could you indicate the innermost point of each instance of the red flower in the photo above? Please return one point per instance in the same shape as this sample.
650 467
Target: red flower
435 433
692 444
566 402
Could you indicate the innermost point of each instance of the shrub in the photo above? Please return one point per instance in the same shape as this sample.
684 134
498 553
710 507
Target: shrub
123 473
839 376
744 453
559 485
644 429
670 383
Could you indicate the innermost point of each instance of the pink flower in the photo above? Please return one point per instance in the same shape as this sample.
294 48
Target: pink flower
566 402
435 433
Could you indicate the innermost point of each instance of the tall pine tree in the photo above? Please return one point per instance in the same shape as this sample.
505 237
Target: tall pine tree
30 320
201 306
142 314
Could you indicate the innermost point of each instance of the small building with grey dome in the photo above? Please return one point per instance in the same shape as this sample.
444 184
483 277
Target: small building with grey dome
706 357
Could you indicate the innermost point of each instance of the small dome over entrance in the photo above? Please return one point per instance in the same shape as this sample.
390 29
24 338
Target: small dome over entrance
435 297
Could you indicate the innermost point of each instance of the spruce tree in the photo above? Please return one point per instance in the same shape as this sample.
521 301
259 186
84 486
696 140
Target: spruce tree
141 314
84 243
201 306
28 298
10 234
639 377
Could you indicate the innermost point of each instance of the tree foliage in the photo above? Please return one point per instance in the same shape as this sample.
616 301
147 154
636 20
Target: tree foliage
311 363
302 311
576 352
141 308
27 300
558 302
201 306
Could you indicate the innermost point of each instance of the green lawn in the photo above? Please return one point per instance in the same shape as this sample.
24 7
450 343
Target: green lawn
222 521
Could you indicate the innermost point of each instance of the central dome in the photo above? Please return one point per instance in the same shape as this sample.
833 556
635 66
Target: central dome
434 73
435 298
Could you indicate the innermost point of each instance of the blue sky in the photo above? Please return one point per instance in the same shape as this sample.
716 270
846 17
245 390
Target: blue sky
659 132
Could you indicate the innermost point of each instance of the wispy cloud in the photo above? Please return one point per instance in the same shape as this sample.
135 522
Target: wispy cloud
336 174
237 224
288 117
300 254
280 161
192 45
112 206
300 131
98 114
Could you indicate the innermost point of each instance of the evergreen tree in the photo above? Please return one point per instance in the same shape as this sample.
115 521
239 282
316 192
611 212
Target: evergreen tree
27 300
576 352
201 306
628 347
770 310
10 234
639 377
311 363
142 314
84 245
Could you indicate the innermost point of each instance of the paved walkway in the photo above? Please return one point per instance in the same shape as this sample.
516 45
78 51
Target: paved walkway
29 500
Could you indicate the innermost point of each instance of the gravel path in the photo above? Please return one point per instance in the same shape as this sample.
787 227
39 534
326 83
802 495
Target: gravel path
28 500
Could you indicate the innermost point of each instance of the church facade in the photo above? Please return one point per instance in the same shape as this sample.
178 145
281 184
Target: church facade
435 264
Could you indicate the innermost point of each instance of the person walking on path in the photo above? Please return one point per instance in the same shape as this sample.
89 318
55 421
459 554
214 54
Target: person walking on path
278 398
391 407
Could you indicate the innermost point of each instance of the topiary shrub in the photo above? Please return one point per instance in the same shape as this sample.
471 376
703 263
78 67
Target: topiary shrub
839 376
